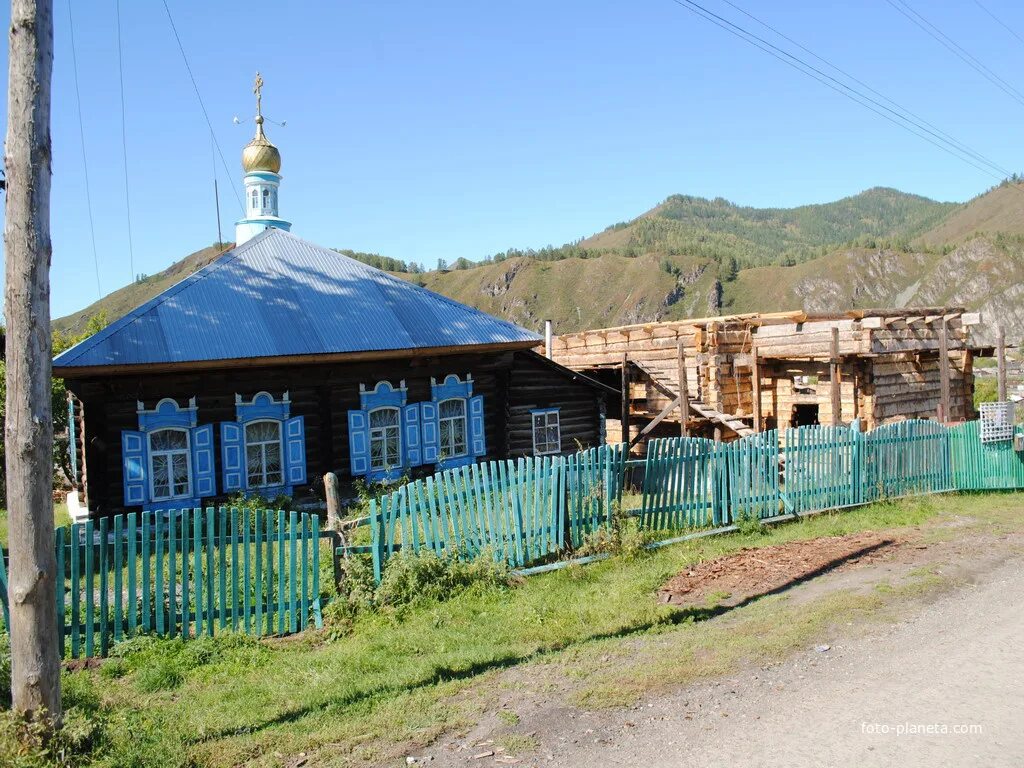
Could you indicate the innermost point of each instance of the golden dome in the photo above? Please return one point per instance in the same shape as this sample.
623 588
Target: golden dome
259 154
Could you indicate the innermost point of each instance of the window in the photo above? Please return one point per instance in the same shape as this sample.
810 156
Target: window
169 464
547 433
263 454
264 447
266 199
255 200
451 417
169 458
385 439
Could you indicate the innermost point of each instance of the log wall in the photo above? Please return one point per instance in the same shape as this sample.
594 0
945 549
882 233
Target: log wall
511 383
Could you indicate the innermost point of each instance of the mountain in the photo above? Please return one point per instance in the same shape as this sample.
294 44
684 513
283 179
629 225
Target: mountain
718 229
691 256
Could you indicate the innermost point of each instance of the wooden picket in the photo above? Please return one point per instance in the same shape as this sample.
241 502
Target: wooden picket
198 572
183 573
521 510
977 466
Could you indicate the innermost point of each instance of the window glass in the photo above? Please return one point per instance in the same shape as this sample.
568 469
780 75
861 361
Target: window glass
385 439
266 198
546 433
452 428
169 464
263 454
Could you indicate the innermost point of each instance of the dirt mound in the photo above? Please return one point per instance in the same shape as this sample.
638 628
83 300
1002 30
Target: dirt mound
753 572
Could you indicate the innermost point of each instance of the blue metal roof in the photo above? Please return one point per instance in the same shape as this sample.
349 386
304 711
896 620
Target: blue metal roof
279 295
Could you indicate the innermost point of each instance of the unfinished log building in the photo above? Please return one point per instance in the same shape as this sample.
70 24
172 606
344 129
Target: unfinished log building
758 371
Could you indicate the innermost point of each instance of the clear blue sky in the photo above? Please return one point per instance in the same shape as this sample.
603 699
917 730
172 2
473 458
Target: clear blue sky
448 129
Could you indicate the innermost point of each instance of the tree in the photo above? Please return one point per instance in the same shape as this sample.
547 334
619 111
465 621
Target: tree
28 431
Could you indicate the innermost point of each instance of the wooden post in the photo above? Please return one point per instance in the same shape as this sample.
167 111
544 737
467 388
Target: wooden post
755 376
334 527
684 393
833 372
1001 360
333 501
625 398
35 660
944 414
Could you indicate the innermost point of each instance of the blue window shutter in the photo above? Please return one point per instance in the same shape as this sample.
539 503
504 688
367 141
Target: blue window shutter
476 425
358 443
411 435
204 481
232 457
136 463
429 432
295 450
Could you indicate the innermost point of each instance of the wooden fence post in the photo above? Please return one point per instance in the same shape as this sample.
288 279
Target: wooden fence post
334 526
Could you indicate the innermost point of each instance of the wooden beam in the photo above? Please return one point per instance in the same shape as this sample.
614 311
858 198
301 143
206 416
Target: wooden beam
684 392
755 374
943 372
1001 361
833 372
84 371
626 398
655 421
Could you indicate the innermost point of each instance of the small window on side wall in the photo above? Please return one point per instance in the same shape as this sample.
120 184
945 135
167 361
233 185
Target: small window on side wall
547 432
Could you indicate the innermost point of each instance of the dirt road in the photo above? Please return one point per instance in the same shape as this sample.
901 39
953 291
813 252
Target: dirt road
893 699
939 685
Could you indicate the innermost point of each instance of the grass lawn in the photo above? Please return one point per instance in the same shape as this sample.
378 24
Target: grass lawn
363 693
60 517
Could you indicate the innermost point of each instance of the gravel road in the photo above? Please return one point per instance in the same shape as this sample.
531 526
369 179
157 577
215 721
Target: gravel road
894 698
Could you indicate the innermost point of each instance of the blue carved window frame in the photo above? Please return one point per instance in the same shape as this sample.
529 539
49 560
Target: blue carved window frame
383 396
137 455
453 388
262 407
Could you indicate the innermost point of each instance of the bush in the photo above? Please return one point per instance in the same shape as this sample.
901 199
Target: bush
5 671
426 576
622 537
408 579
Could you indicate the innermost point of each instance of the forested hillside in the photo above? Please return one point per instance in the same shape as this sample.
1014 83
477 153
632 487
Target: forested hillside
691 256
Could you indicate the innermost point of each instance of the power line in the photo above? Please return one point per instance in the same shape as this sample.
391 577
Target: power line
85 162
124 142
957 50
999 21
923 123
823 78
202 106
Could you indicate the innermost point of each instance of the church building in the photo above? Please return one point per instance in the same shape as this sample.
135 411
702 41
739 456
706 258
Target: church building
282 360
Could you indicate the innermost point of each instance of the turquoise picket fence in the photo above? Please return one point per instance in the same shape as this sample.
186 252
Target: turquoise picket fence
520 510
978 466
903 459
198 572
185 573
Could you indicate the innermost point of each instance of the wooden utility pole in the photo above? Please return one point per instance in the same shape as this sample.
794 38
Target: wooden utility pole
684 393
944 414
35 664
1001 360
833 372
